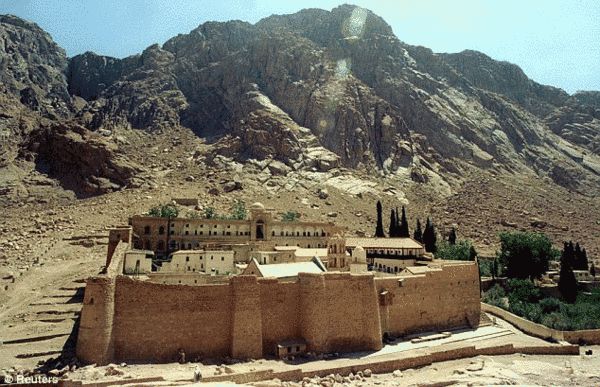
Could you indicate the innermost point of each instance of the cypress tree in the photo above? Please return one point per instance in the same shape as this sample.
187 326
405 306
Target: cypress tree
452 236
393 225
429 238
567 284
568 254
418 235
577 257
379 229
404 232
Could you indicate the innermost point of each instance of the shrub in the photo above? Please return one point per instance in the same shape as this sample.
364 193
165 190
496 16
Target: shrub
290 216
210 213
522 291
238 210
495 296
549 305
168 210
461 251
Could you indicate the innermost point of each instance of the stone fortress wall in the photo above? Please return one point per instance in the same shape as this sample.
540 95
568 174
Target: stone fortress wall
125 318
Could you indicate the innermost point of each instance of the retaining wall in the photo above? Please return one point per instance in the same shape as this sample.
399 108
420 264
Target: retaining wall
590 336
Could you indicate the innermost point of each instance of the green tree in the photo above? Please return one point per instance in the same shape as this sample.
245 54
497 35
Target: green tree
567 284
290 216
525 254
580 258
460 251
393 230
210 213
452 236
379 228
403 231
168 210
429 237
238 210
418 234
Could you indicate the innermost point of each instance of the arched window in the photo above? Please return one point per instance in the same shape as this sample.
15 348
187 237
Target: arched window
161 230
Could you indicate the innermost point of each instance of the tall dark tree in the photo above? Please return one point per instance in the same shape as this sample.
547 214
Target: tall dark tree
567 284
452 236
429 238
404 232
525 254
568 254
379 229
393 230
580 260
418 234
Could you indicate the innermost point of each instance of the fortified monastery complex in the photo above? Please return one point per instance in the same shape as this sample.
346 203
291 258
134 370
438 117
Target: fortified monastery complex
247 288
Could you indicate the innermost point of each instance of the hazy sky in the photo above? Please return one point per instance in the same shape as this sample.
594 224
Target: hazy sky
556 42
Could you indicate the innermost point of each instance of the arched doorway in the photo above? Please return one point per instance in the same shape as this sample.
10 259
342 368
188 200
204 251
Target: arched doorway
260 229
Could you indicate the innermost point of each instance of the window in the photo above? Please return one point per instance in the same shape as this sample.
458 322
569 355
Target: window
172 232
211 257
187 232
187 259
187 225
215 226
222 258
282 233
161 230
147 230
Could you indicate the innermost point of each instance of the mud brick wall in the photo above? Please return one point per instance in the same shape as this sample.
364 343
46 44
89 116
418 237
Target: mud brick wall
129 319
437 300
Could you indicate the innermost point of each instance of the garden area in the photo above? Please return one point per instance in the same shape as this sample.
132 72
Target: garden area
523 258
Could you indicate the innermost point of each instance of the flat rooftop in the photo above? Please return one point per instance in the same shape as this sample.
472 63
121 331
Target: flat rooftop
383 243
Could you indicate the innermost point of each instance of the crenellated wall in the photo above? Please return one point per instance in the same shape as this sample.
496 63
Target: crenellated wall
129 319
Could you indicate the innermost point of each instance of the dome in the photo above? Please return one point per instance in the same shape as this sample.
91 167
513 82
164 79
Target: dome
257 206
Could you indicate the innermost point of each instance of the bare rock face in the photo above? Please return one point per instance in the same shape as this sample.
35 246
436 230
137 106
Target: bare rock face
313 90
32 67
82 160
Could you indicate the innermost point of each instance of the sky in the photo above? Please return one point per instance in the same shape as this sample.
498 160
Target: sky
556 42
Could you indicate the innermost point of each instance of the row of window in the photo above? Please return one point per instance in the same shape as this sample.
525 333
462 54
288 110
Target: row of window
187 259
161 231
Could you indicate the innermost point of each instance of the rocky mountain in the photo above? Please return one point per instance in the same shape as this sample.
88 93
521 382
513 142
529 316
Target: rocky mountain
315 90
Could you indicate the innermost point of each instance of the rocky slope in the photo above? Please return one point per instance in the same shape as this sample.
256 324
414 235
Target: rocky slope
332 92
